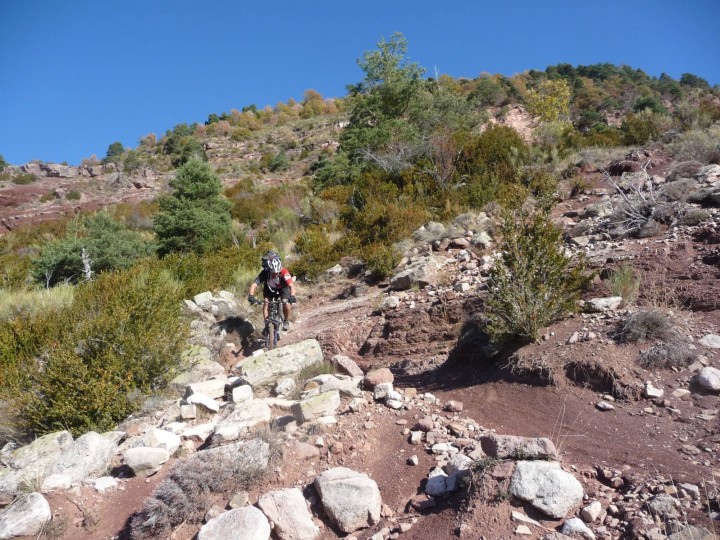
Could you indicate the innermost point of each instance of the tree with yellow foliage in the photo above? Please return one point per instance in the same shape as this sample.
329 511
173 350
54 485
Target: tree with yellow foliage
550 100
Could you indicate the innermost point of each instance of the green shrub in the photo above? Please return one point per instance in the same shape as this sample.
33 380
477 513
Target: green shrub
381 260
122 335
623 281
317 253
533 283
107 244
73 195
644 126
23 179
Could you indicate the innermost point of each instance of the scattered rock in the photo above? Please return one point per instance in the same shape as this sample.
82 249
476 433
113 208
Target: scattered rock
378 376
513 447
576 527
610 303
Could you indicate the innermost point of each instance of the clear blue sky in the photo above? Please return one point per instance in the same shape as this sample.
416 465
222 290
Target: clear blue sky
77 75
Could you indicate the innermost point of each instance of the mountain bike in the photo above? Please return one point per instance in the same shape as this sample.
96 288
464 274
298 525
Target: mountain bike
274 322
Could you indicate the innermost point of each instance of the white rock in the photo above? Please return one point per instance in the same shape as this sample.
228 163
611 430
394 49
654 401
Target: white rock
271 365
285 386
199 433
145 461
711 341
546 487
321 405
55 482
382 390
287 509
350 499
576 527
709 379
591 512
604 406
389 303
204 401
105 483
246 523
652 392
437 483
242 393
609 303
88 456
26 516
214 388
160 438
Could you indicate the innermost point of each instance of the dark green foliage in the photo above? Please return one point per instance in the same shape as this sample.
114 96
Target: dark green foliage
693 81
279 162
533 284
651 103
194 217
214 118
73 195
107 244
114 151
3 163
487 93
77 369
182 146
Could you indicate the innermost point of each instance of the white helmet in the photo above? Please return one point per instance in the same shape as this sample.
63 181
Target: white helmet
274 265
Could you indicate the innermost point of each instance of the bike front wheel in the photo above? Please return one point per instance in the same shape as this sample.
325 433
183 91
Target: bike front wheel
271 337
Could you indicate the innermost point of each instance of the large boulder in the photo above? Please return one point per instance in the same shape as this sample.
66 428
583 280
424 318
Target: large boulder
324 404
246 523
89 456
287 509
253 454
350 499
242 417
145 461
270 366
546 487
161 438
709 379
513 447
214 388
422 272
26 516
43 452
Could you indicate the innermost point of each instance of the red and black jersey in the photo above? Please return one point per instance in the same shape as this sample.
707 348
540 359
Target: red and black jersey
274 283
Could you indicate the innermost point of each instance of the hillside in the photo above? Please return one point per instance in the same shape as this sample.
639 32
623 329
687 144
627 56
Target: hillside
508 319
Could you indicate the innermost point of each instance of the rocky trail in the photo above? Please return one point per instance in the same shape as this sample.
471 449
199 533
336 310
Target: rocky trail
414 434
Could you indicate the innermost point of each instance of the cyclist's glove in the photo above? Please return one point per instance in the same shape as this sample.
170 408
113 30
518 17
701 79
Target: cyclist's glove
292 300
251 299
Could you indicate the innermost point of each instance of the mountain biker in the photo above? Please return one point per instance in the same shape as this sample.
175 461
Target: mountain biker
277 283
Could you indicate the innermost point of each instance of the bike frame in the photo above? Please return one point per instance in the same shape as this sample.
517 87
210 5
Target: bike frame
273 325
